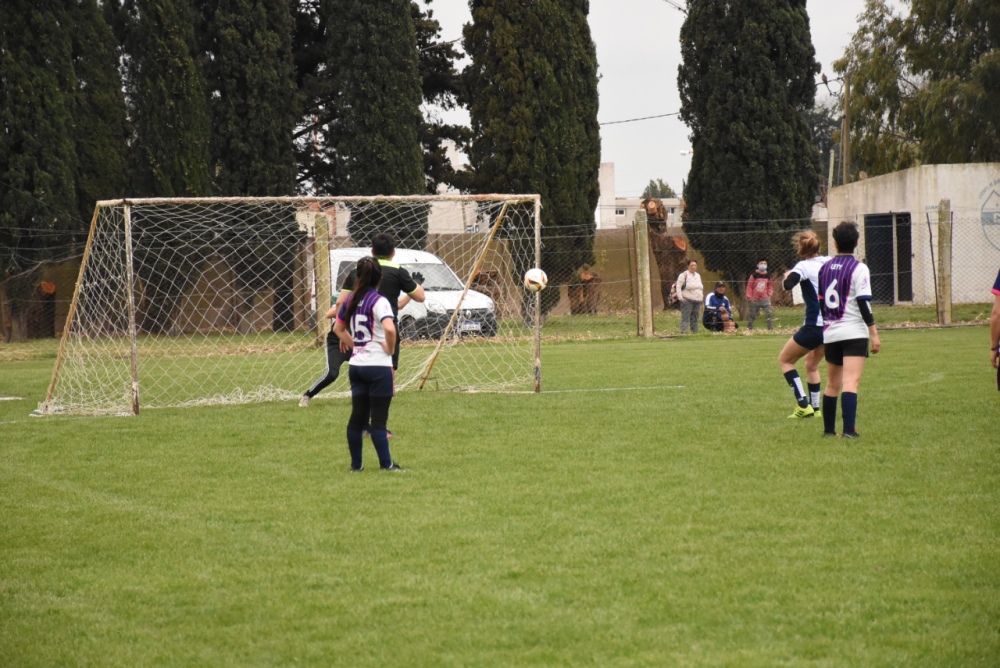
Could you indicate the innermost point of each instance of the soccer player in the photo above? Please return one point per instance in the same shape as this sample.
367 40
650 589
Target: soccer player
396 281
845 294
366 325
995 329
808 340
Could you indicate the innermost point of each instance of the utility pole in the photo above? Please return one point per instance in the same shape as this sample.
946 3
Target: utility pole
845 153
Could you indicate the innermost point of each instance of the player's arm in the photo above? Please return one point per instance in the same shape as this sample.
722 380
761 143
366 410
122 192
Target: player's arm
403 301
792 279
340 329
865 306
335 309
995 331
389 327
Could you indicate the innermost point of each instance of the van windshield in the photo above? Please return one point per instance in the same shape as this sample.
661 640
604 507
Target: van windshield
435 276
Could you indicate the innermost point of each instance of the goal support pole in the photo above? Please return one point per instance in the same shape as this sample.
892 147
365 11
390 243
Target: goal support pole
468 284
72 310
130 296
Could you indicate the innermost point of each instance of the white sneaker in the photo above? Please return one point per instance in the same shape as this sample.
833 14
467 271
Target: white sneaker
304 401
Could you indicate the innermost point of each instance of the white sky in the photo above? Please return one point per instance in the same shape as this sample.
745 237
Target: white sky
638 53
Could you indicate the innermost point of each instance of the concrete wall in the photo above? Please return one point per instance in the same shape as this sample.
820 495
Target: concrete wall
974 193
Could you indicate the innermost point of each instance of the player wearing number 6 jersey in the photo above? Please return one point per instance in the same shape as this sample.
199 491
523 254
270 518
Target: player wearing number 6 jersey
848 323
365 324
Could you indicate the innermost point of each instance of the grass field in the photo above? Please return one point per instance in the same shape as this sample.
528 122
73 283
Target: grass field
682 522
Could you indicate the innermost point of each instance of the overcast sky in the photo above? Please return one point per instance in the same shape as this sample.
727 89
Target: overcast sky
638 52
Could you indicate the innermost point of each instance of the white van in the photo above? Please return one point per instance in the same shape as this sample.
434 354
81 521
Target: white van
477 312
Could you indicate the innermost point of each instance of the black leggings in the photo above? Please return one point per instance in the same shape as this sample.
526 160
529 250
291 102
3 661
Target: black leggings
334 360
364 407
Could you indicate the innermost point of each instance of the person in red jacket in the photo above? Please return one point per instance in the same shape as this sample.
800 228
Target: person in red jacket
759 291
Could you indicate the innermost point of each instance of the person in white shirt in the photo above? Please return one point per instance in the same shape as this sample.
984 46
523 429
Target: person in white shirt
845 294
690 292
808 340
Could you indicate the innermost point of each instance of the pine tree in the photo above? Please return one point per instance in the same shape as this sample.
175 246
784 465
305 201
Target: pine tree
746 80
532 86
37 156
249 72
169 107
100 124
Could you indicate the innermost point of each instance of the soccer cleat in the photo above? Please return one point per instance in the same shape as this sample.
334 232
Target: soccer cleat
358 470
304 401
817 413
829 434
850 434
800 412
395 468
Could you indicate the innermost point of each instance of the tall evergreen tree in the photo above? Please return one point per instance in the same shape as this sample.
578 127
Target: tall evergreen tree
100 124
168 102
747 77
532 85
37 156
249 72
441 87
372 141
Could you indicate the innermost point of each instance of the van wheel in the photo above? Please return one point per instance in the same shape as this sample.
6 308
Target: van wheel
408 328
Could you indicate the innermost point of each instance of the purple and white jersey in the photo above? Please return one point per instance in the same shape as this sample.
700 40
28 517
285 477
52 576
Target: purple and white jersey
842 282
367 331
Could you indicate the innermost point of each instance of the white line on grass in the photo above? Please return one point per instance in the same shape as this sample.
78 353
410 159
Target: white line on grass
616 389
11 398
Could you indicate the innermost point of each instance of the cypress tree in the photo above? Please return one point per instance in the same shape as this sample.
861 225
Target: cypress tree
532 85
372 142
746 81
249 72
37 155
100 124
169 106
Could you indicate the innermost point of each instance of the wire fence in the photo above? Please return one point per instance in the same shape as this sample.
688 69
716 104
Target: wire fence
915 260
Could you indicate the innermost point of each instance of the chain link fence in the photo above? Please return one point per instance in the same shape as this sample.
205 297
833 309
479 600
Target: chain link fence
926 259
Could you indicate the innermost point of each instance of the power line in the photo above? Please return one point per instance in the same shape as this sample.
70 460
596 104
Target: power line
676 6
643 118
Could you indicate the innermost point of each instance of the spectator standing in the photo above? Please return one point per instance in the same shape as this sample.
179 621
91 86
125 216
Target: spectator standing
759 291
690 292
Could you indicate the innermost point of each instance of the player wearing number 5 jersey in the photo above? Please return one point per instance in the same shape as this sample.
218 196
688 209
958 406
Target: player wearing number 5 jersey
845 295
365 324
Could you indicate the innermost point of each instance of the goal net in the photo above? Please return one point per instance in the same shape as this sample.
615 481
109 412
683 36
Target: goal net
188 301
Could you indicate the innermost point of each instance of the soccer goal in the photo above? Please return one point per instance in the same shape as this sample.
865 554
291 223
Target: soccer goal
199 301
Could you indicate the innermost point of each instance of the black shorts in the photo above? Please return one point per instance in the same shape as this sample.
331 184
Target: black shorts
809 337
375 381
838 350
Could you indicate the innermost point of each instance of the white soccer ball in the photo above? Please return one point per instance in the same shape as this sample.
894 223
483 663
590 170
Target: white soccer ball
535 280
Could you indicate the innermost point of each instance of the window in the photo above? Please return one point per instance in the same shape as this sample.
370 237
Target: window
620 212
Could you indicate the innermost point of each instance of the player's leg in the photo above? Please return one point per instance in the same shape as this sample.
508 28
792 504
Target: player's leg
834 382
360 409
854 363
381 391
334 360
813 359
797 347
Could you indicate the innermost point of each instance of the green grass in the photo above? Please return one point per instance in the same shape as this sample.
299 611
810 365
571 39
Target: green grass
690 526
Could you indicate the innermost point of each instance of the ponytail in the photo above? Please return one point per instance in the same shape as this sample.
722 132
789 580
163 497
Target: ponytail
369 274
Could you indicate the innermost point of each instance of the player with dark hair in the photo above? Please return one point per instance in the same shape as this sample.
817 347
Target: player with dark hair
365 324
995 329
396 281
808 340
848 323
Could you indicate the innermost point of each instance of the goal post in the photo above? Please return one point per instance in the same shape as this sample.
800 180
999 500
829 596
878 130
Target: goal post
199 301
